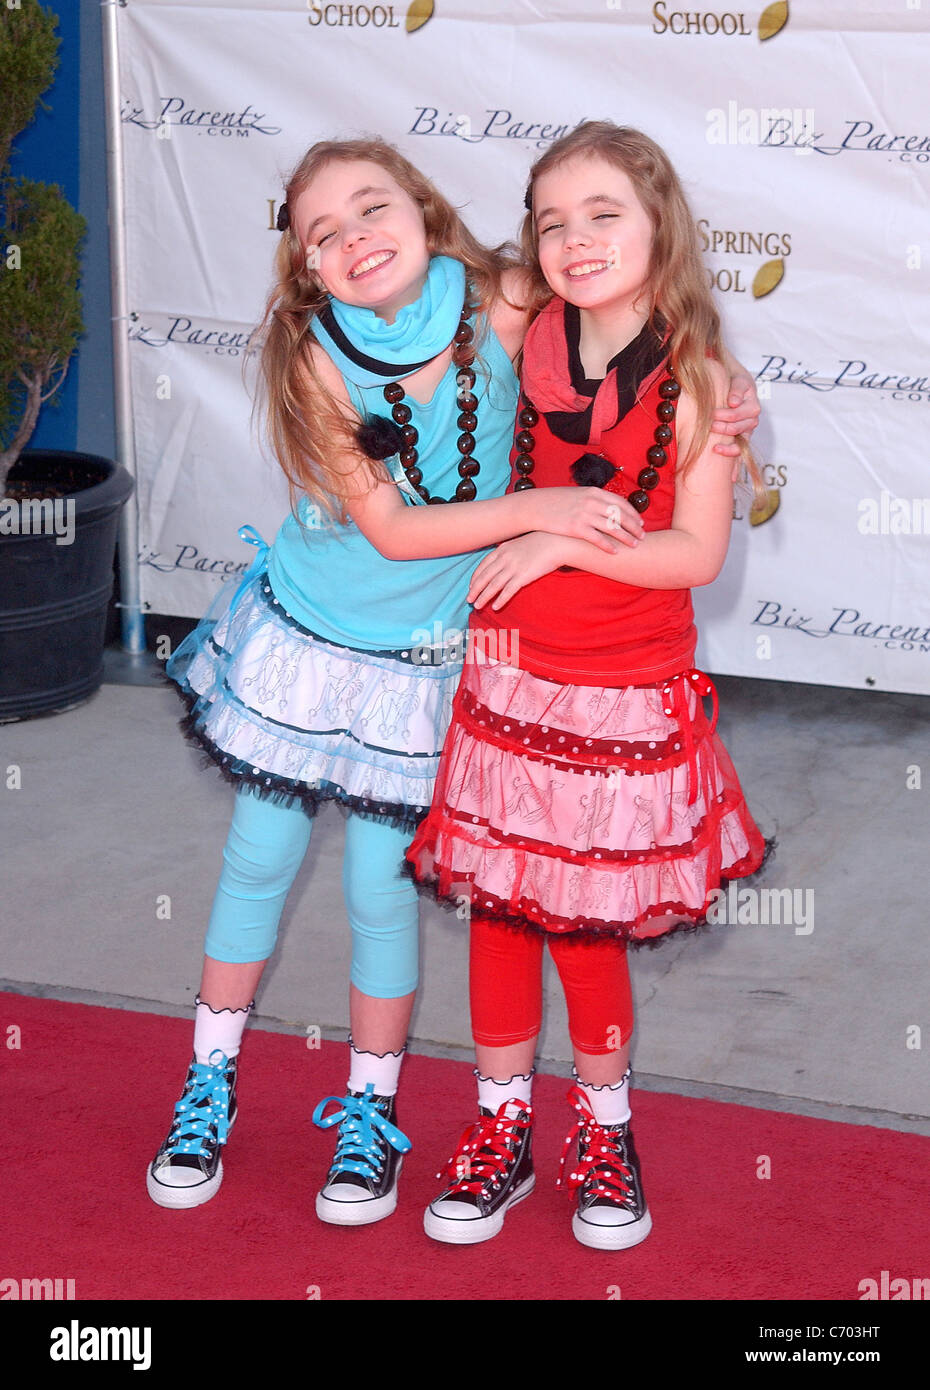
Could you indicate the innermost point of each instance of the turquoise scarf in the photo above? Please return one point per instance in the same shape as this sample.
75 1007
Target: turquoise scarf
370 352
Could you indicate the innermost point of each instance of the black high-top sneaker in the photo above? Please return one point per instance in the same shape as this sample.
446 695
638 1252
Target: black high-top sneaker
491 1170
188 1169
612 1212
362 1183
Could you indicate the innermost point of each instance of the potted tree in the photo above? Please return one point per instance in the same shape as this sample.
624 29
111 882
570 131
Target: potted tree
59 511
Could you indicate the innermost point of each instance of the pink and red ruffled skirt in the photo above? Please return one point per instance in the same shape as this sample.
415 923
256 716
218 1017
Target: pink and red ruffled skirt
579 808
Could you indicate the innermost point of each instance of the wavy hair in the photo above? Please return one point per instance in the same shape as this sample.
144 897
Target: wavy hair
679 297
307 429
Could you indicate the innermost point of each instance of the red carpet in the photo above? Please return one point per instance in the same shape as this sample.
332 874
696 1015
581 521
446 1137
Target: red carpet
843 1202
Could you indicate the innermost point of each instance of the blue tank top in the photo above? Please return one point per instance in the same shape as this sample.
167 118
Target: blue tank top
331 579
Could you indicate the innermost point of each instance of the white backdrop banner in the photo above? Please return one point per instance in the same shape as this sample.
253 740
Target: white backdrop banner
800 131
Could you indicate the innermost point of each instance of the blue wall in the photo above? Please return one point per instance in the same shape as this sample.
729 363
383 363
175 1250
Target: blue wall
67 145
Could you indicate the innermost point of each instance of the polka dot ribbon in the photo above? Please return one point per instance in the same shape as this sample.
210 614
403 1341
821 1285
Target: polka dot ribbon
363 1131
486 1148
602 1162
203 1106
675 701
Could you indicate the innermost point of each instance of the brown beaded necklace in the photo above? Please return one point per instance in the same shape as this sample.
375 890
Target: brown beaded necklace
469 467
656 454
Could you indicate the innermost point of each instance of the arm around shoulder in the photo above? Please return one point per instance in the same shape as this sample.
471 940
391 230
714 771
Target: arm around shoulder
704 490
510 312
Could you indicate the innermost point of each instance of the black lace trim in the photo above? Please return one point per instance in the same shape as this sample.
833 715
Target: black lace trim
284 791
517 921
360 1053
523 1076
606 1086
247 1010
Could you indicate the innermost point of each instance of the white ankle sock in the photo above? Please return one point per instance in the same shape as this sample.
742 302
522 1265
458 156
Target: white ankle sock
382 1071
611 1104
492 1094
218 1029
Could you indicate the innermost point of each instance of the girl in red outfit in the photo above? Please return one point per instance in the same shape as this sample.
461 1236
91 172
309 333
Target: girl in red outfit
583 797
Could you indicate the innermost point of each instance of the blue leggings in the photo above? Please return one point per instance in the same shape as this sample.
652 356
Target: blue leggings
265 849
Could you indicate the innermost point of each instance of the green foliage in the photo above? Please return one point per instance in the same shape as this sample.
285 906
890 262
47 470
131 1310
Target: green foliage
40 308
28 59
40 238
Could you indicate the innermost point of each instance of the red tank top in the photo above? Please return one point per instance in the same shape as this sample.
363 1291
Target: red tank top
583 629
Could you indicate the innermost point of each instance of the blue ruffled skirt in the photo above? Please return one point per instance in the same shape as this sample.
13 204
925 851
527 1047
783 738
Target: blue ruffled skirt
301 719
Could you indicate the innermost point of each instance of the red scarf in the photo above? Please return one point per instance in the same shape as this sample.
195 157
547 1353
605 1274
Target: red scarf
546 376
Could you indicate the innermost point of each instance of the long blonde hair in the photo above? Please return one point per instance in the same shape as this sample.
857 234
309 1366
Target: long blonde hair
303 422
679 296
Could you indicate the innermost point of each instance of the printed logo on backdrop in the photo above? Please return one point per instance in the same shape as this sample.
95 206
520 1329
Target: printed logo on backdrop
495 124
765 252
846 622
797 129
741 249
860 137
407 19
225 341
883 515
852 373
178 111
775 477
730 23
189 558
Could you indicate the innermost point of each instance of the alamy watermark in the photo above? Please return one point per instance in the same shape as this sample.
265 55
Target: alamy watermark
895 1289
760 125
36 1289
34 516
77 1343
887 515
452 644
754 907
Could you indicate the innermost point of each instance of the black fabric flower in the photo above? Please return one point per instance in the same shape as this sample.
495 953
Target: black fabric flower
379 437
284 218
592 470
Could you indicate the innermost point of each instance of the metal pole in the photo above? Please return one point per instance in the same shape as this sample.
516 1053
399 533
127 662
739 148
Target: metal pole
133 627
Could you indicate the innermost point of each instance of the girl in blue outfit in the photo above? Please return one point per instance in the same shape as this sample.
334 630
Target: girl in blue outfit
389 336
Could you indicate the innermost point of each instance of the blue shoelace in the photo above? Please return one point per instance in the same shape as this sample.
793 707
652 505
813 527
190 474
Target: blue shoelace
204 1104
363 1131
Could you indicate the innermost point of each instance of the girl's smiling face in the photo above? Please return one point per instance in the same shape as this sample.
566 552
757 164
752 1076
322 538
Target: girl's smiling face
364 236
594 235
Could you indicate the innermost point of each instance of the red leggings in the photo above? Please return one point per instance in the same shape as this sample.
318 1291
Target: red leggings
506 987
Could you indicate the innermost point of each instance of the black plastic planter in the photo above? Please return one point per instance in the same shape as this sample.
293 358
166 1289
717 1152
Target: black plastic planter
54 591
